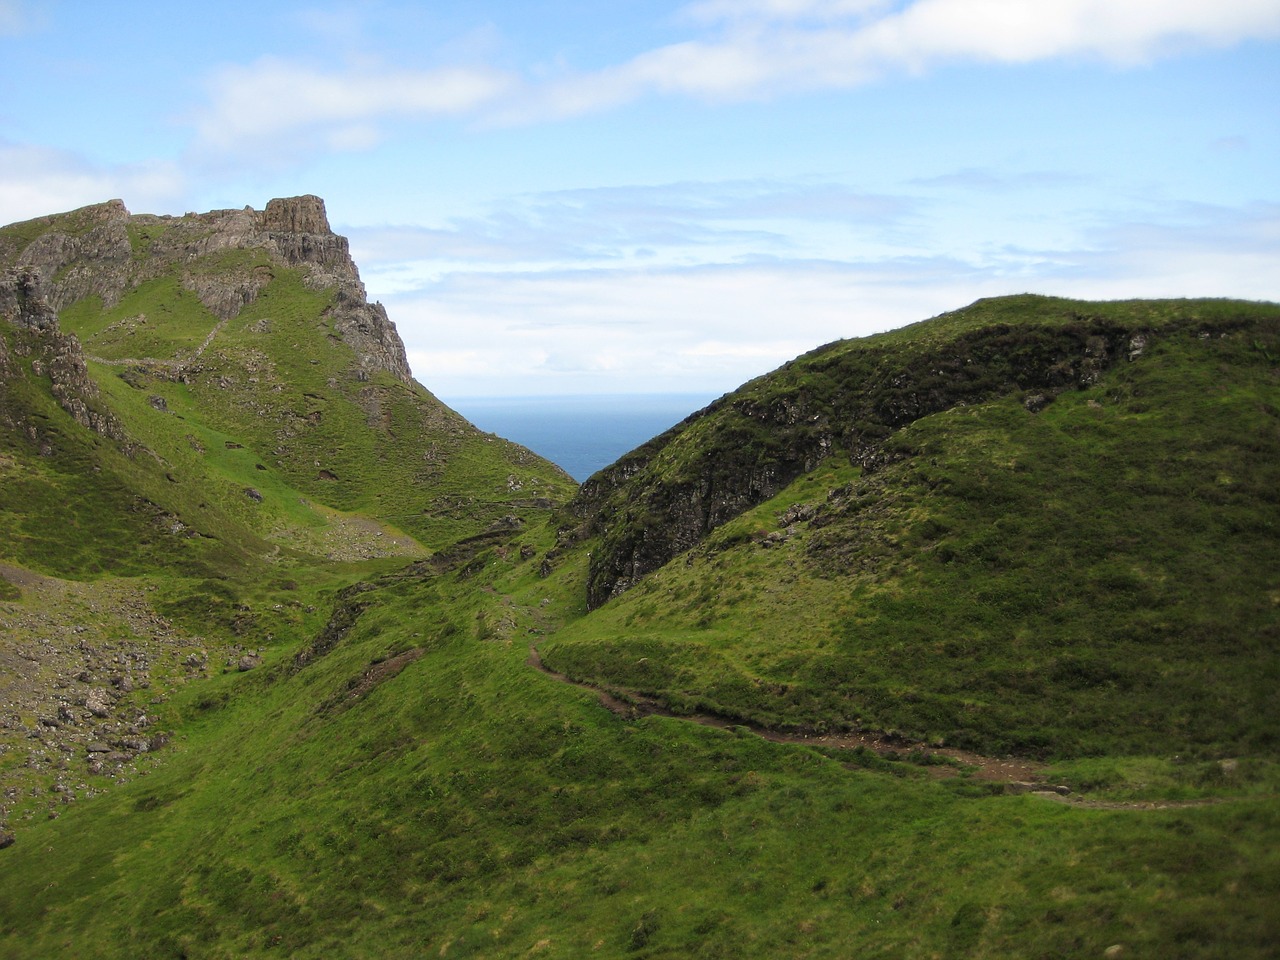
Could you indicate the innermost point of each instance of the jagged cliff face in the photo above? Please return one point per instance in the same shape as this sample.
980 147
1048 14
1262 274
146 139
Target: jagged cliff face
50 353
104 251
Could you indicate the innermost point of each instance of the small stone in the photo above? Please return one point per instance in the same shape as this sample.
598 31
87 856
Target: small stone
1036 402
1114 951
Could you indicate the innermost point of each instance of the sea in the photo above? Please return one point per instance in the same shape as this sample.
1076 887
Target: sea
580 433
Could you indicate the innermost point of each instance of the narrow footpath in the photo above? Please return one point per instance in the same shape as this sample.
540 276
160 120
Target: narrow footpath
1018 775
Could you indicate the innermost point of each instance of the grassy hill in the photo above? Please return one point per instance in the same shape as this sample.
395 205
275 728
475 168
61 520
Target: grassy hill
1058 536
956 641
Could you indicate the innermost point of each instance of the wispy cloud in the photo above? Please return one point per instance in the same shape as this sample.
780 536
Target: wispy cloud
35 181
713 326
785 10
689 222
282 107
738 50
769 48
994 181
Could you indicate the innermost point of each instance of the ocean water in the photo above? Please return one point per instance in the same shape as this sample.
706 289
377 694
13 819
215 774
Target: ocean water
581 433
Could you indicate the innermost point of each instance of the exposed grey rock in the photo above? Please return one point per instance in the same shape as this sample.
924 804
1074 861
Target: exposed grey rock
24 305
1036 402
92 256
91 251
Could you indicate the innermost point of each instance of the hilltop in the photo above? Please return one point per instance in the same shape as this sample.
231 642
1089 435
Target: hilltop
208 407
954 641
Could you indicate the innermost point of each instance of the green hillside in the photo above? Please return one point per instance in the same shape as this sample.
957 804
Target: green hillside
957 641
1059 536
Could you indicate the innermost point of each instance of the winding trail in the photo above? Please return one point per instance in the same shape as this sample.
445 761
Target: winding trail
1010 770
1017 774
178 365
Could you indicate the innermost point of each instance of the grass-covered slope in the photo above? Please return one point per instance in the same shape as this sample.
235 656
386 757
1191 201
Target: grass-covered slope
1034 526
205 432
407 786
214 332
1060 534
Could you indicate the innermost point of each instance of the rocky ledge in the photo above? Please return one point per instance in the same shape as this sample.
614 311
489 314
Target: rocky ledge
103 250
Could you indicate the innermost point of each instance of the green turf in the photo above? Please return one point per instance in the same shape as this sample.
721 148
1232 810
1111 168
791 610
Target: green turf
993 529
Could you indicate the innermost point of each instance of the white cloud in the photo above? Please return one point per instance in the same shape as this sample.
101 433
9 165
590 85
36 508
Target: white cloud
288 108
35 181
705 329
711 327
773 47
687 222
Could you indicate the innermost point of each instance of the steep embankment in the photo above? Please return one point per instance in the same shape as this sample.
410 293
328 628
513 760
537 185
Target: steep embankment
1033 525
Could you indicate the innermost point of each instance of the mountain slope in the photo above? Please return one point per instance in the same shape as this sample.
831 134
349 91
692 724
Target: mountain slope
208 406
267 613
1058 535
409 786
251 328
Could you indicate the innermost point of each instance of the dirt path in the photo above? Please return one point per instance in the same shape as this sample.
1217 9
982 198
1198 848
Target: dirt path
1017 774
1009 770
177 365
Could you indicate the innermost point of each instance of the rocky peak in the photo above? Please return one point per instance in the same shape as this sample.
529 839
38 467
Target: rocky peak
103 250
299 228
303 214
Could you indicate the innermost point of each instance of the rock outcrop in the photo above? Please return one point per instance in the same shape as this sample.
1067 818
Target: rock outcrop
104 251
668 495
52 354
81 253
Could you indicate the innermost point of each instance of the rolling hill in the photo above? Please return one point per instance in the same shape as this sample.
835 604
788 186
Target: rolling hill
959 640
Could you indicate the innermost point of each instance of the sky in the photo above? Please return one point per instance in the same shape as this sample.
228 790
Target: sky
558 197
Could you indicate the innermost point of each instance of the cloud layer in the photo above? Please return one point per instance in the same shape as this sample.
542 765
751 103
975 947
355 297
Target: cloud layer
743 50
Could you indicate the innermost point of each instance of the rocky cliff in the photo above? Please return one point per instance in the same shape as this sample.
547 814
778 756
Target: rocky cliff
104 251
49 353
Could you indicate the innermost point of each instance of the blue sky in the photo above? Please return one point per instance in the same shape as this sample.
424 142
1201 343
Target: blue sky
558 197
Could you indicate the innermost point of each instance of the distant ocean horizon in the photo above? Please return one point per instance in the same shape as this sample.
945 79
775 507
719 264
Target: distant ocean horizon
582 433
